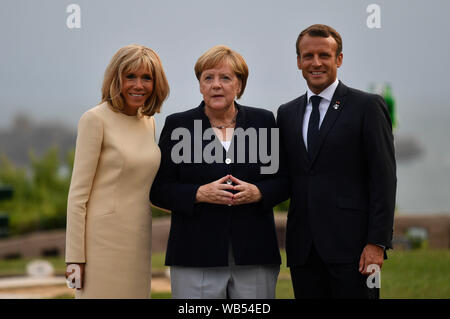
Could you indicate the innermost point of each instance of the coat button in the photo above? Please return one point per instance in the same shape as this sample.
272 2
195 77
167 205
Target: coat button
228 161
229 182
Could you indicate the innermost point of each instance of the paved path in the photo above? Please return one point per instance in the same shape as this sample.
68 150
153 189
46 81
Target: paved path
26 281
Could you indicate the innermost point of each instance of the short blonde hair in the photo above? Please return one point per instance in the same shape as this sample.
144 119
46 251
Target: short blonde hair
129 59
218 55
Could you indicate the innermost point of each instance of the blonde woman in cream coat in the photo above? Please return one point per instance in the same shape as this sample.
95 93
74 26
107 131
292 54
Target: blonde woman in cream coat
108 241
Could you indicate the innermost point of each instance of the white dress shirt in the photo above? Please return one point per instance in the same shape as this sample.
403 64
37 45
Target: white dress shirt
326 96
226 144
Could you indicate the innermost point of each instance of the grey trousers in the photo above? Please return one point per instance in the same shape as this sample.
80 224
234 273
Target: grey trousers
231 282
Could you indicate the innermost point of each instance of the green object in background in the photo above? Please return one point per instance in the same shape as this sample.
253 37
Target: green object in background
389 99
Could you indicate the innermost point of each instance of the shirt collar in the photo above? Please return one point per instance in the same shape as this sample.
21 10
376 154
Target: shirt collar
326 94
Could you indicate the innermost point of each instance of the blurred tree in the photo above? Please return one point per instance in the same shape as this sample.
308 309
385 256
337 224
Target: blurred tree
40 195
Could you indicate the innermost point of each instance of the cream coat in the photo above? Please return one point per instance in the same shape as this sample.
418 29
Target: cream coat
108 211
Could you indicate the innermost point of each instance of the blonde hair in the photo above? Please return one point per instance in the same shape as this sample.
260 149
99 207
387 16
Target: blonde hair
129 59
218 55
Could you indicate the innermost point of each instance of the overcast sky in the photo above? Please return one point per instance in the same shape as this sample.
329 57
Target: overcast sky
53 72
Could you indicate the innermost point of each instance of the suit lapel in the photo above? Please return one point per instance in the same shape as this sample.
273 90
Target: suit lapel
334 109
240 123
297 123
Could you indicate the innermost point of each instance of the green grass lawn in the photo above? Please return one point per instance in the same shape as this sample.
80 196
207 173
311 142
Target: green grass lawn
416 274
406 274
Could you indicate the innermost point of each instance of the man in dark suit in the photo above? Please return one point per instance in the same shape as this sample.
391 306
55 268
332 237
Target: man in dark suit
343 176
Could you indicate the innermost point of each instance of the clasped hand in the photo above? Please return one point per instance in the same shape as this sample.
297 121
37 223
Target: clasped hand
218 192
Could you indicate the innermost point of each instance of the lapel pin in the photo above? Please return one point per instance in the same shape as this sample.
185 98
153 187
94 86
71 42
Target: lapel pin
336 105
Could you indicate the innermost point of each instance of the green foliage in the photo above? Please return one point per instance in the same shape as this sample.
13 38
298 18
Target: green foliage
417 237
39 194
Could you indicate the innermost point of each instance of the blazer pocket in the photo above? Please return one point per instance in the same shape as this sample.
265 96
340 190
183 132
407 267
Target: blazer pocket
352 203
103 214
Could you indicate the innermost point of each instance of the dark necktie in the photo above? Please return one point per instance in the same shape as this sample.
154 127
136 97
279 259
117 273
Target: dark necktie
313 126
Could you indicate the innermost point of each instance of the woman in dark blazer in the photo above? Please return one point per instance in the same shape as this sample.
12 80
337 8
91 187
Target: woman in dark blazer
221 188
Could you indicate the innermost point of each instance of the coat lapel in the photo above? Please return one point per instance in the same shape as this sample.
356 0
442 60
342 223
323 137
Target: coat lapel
334 109
240 123
297 123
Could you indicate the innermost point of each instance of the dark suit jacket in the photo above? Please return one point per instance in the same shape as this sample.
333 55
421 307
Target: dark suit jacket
200 233
344 196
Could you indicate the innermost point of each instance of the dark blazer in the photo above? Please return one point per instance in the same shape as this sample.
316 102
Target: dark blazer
200 233
344 196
